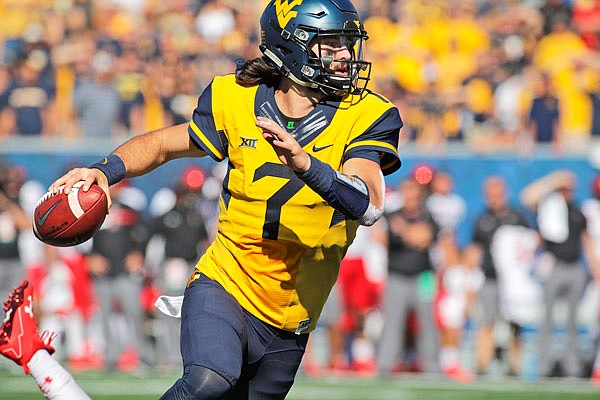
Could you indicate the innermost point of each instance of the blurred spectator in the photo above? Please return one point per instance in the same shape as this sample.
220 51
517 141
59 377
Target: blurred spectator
595 98
215 20
442 63
5 77
335 358
361 287
563 229
97 103
13 221
128 81
116 263
459 280
514 253
67 302
445 206
497 213
458 275
410 285
558 55
351 314
509 104
555 10
27 104
543 122
586 20
591 209
184 234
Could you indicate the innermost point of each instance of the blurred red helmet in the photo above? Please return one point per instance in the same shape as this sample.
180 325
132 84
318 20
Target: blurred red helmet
596 186
423 174
192 178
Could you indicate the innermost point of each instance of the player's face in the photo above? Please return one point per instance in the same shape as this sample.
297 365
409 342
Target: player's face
334 51
495 193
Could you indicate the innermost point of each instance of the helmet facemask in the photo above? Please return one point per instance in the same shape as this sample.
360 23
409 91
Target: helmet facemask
333 75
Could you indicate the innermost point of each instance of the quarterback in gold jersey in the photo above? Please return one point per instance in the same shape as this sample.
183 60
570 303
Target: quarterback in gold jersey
307 146
267 210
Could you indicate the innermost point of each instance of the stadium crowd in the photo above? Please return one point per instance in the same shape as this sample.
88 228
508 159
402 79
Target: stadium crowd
495 75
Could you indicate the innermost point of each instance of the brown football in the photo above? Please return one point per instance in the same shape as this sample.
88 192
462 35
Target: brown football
68 220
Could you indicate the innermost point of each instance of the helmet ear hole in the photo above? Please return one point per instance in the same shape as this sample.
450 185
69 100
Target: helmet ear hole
285 51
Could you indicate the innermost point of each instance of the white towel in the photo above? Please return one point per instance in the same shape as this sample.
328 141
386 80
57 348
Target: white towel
553 218
169 305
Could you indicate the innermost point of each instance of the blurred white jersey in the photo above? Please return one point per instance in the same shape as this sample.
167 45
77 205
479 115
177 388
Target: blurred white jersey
514 253
457 282
447 210
591 210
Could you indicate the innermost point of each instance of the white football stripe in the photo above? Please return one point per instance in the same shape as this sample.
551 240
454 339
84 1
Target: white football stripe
74 200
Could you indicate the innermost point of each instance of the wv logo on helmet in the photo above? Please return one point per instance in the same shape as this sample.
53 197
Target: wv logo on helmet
284 11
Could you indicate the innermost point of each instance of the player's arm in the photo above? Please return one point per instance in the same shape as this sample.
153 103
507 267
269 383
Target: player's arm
146 152
357 191
370 173
591 254
533 193
22 220
137 156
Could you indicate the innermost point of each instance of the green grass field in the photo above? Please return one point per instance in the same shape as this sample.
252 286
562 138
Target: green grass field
415 387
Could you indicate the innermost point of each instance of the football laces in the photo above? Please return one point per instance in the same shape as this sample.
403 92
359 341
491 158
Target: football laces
49 194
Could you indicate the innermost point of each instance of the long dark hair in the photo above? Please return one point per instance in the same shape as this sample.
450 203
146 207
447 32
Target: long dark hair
256 71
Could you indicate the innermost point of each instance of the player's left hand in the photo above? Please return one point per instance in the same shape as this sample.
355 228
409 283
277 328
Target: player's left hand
288 150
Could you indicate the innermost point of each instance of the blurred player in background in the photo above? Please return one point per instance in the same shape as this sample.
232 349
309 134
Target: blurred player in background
565 237
184 234
13 221
497 213
116 263
410 234
457 272
307 146
459 280
591 209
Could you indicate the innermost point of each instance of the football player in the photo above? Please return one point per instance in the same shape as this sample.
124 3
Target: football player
307 145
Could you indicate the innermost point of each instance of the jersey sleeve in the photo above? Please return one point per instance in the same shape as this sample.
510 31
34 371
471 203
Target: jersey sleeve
203 129
381 137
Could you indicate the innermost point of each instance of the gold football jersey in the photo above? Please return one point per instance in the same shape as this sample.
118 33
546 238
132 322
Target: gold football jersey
279 244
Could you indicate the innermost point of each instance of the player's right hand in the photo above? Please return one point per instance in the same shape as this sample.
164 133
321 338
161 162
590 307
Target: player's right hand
287 148
88 175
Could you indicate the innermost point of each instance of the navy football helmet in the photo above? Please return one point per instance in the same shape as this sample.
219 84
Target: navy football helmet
290 28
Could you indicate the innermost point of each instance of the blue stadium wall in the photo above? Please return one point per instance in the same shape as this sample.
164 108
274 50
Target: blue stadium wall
468 170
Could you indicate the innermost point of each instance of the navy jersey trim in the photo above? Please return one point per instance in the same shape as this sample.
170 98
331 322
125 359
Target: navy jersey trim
202 128
385 130
373 154
308 127
337 218
226 193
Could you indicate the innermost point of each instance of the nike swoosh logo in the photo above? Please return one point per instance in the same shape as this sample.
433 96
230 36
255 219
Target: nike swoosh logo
41 221
315 148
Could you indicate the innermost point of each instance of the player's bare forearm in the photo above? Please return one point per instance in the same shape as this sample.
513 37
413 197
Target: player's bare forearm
533 193
591 255
146 152
140 155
